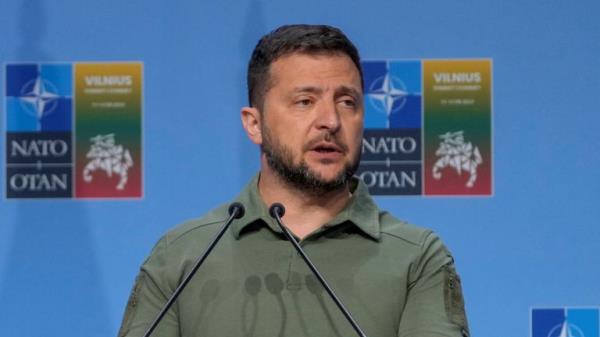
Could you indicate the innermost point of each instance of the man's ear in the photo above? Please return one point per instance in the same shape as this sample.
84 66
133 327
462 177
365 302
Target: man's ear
251 121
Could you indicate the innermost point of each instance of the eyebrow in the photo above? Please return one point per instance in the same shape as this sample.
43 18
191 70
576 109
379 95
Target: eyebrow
346 90
307 89
342 90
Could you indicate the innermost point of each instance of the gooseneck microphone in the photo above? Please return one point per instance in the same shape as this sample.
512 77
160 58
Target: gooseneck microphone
277 211
236 211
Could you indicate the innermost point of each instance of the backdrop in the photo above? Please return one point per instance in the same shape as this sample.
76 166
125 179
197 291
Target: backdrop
67 266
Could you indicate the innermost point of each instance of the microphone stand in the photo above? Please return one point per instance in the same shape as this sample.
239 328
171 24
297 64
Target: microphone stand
236 211
276 211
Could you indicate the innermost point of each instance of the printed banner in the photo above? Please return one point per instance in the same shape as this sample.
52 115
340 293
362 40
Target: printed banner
74 130
108 115
457 132
427 127
391 152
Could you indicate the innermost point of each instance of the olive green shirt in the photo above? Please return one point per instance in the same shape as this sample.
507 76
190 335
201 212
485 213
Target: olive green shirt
396 279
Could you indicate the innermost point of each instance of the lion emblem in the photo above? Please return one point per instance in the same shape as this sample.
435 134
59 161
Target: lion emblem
457 154
106 156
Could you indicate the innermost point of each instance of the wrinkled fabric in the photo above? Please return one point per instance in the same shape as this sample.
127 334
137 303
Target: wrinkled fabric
395 278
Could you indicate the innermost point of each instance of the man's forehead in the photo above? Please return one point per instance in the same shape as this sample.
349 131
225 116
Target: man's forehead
296 68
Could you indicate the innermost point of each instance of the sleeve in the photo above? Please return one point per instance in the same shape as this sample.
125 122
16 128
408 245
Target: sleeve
434 305
149 294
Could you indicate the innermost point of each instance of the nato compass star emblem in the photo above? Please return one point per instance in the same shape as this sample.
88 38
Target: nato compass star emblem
388 94
565 322
39 98
566 330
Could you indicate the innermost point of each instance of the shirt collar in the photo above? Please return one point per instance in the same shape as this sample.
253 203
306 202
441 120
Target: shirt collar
361 210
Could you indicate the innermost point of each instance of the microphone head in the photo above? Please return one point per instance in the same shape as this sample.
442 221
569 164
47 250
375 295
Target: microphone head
238 208
276 209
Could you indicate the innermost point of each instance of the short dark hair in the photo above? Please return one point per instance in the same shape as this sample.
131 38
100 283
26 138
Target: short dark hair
288 39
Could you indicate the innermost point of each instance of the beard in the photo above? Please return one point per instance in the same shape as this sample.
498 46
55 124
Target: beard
301 176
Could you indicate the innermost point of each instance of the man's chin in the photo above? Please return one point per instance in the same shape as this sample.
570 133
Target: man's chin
330 180
310 176
327 177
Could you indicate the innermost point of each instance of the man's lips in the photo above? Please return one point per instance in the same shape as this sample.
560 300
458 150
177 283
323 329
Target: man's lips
327 151
327 147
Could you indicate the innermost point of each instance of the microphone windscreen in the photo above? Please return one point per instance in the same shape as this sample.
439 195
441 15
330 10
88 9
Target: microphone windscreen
276 209
238 208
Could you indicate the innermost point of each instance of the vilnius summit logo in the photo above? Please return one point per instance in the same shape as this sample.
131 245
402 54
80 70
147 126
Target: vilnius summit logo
427 127
56 144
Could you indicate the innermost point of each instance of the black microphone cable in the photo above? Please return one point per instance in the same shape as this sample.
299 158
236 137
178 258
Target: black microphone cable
277 211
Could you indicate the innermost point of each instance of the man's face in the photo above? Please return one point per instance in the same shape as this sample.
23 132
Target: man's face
312 120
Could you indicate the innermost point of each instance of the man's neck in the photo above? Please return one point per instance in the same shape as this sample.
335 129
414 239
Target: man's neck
305 212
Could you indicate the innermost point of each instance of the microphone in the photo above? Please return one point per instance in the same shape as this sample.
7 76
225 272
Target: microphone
277 211
236 211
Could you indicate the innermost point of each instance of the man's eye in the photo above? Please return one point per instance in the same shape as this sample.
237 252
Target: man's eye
304 102
350 103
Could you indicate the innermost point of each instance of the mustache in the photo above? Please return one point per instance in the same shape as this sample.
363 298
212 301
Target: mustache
328 138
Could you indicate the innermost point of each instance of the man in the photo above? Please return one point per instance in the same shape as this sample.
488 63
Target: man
306 114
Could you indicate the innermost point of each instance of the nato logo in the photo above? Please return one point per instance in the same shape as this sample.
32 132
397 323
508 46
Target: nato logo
565 322
38 130
391 161
38 97
392 94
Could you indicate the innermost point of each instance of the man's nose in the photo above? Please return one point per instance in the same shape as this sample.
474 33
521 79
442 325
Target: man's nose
328 117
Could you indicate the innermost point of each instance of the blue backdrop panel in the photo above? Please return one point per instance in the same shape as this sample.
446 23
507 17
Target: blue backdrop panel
66 267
